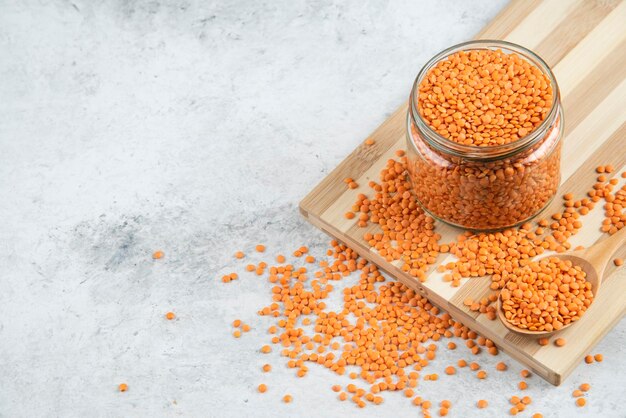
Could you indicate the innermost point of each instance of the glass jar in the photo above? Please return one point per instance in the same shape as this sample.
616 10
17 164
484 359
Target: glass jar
485 187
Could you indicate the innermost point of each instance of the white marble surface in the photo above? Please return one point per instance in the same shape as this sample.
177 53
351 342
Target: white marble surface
196 127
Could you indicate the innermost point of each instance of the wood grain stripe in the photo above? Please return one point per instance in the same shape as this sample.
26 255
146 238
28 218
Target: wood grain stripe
590 91
592 49
540 21
507 19
576 25
594 130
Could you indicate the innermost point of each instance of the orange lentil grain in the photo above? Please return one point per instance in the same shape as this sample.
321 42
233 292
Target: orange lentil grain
559 342
262 388
581 402
239 255
618 261
170 315
589 359
266 349
598 357
287 398
585 387
482 403
501 367
158 255
123 387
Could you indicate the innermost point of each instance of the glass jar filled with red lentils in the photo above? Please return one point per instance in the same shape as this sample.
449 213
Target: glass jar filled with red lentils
484 135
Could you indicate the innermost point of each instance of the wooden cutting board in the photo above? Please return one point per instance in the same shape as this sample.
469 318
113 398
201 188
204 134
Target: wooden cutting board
585 44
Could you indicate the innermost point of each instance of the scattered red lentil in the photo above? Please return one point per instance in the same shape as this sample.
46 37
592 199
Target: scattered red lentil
618 261
389 313
581 402
598 357
585 387
559 342
260 248
287 398
482 403
170 315
589 359
239 255
123 387
158 255
262 388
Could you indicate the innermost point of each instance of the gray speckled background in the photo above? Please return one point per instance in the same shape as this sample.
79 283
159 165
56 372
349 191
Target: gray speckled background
196 127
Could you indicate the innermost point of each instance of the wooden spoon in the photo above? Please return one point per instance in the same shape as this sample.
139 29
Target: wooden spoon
592 260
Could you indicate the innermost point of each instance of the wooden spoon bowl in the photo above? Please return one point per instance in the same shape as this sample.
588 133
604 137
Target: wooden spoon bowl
592 261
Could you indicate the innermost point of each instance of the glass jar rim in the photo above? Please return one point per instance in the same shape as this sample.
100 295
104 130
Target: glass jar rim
486 152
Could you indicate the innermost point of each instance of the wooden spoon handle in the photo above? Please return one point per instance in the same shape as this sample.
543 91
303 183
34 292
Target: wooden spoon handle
600 254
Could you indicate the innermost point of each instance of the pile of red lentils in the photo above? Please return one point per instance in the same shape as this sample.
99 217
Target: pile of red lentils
387 331
484 97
